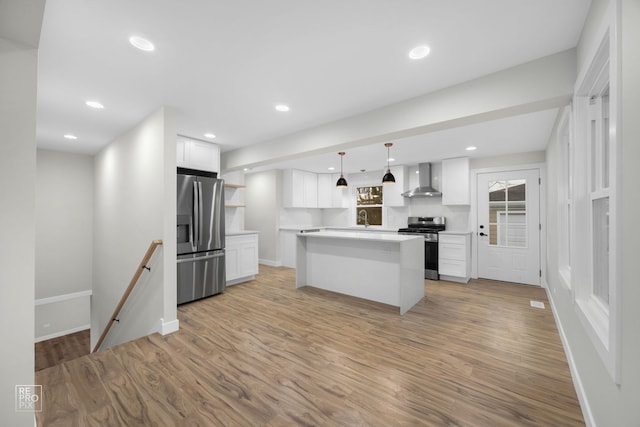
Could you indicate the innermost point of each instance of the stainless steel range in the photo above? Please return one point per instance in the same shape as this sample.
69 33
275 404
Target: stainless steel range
428 227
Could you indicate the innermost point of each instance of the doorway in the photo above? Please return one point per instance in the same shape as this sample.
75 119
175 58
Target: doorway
508 226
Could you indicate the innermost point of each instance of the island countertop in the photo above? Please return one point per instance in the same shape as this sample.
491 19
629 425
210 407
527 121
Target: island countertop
371 235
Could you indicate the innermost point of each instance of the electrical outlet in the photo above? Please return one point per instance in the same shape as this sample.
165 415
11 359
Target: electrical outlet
46 325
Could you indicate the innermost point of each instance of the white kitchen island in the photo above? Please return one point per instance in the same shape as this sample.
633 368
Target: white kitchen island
382 267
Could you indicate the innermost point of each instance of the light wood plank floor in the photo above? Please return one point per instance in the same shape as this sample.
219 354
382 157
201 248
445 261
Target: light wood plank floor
264 353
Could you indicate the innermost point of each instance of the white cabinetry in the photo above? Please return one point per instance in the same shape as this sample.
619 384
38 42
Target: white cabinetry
241 255
454 256
392 193
200 155
455 181
329 196
300 189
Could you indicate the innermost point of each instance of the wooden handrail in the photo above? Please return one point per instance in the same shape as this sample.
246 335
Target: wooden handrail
147 256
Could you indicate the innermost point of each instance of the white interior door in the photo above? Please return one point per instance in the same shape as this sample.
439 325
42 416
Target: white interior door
509 226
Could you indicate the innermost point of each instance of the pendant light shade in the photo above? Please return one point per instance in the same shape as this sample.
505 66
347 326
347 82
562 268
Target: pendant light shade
341 183
388 177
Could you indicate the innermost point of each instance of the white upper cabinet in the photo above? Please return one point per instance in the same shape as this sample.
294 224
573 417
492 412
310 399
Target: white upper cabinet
200 155
328 195
299 189
310 183
392 193
455 181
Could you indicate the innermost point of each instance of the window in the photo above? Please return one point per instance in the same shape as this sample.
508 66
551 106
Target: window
508 213
599 193
592 205
369 205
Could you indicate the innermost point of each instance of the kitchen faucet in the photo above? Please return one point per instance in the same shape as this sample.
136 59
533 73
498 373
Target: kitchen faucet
362 215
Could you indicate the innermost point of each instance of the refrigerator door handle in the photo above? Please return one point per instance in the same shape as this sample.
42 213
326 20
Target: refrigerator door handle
217 255
200 215
196 222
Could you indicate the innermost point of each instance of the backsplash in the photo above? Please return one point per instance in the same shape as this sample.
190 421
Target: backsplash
457 216
300 217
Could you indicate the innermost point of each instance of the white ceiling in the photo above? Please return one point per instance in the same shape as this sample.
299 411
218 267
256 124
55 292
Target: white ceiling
225 64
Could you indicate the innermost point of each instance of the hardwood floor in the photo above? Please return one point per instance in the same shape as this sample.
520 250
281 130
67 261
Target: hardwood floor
266 354
59 350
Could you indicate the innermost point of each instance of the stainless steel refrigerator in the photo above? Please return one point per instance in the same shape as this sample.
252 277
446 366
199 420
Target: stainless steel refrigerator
200 221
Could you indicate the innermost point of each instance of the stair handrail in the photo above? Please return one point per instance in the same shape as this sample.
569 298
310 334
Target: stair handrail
134 280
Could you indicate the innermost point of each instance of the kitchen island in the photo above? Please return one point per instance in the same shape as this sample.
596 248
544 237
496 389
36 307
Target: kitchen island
382 267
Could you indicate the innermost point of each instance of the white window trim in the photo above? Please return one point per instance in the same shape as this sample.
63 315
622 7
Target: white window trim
601 323
564 132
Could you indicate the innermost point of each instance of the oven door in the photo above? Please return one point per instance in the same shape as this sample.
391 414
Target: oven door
431 257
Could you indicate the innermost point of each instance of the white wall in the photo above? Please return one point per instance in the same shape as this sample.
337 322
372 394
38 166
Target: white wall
64 242
135 203
263 200
607 403
530 158
18 83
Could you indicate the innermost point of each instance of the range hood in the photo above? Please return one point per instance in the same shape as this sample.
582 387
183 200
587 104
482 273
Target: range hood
424 180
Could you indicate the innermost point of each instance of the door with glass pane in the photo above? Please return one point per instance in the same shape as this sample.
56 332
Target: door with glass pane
509 226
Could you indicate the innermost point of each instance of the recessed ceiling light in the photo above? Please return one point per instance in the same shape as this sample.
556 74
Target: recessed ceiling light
391 159
95 104
331 168
142 43
419 52
282 107
70 136
209 135
471 148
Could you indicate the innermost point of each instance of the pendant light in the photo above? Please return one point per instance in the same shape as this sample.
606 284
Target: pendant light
341 183
388 177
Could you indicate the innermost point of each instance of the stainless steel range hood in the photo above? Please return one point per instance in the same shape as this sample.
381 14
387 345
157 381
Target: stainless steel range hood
424 180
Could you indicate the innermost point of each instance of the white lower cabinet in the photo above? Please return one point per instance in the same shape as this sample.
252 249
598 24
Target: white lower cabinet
454 256
241 255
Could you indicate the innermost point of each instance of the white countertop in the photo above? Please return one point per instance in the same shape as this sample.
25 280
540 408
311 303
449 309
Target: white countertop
372 228
380 236
458 232
301 227
240 232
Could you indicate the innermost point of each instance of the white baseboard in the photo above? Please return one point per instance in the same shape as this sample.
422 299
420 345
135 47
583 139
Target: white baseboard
270 263
168 327
577 382
63 333
65 297
240 280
